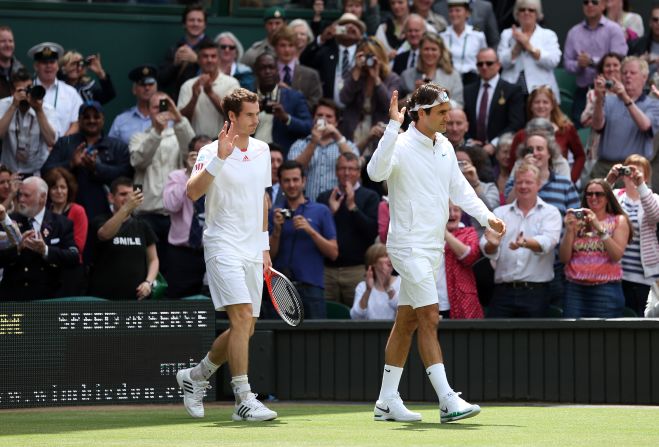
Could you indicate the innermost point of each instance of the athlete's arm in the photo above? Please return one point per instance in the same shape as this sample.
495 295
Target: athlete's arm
380 166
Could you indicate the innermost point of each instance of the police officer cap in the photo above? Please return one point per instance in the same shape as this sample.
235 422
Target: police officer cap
464 3
46 51
144 74
90 105
274 12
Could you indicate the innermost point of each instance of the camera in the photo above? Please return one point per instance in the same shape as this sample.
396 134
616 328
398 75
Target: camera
89 149
321 124
608 84
267 106
462 164
426 79
579 214
340 29
288 214
137 187
526 151
163 106
370 60
36 92
625 171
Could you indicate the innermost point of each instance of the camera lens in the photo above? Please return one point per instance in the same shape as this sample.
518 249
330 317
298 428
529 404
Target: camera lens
36 92
608 84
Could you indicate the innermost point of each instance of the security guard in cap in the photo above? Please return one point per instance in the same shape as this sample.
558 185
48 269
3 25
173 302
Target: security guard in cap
137 118
273 19
62 97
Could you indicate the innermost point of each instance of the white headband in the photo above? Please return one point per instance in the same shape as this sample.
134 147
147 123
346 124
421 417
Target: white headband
441 99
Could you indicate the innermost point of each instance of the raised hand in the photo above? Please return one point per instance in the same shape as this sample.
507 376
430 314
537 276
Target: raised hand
394 113
226 140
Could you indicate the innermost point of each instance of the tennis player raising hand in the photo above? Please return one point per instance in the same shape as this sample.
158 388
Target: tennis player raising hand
233 172
422 174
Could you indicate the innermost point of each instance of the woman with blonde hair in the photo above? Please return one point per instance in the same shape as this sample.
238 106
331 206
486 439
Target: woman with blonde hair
74 72
367 90
231 51
434 65
376 298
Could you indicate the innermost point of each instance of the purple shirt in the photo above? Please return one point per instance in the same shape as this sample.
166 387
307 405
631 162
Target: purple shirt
605 38
282 72
179 206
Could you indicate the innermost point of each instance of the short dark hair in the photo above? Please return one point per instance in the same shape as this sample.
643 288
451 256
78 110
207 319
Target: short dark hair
20 75
325 102
289 165
194 7
120 181
197 139
424 95
609 55
206 44
348 156
4 168
257 62
53 175
276 147
233 102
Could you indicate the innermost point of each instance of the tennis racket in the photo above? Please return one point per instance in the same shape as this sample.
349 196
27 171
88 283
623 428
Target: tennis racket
285 298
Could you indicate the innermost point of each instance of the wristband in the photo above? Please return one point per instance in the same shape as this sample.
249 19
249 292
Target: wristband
265 241
214 166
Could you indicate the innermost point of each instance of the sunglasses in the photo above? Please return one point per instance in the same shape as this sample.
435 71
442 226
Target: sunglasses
592 2
227 47
526 10
595 194
488 63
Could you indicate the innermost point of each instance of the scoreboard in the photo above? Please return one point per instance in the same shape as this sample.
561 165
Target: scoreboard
85 353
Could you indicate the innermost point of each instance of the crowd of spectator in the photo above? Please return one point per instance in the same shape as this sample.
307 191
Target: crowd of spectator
106 214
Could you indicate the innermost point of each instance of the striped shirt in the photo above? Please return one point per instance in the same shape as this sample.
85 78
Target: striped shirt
558 191
321 171
632 268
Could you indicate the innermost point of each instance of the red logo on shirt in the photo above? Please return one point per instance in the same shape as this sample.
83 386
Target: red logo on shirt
245 158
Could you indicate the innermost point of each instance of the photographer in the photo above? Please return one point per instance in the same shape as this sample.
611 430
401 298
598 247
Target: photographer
301 236
73 71
640 263
25 126
634 116
592 247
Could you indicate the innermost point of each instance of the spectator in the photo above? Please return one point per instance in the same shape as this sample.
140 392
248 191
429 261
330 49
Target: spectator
543 104
275 192
434 65
586 43
593 244
460 254
291 73
414 29
62 97
544 127
303 34
200 98
457 127
383 215
9 184
284 116
318 152
630 22
473 163
481 17
27 127
647 47
355 210
529 54
73 69
154 154
463 41
501 170
391 32
493 106
124 247
302 235
137 118
376 297
33 266
525 255
8 62
181 60
185 251
632 117
94 160
273 19
367 91
423 8
640 262
231 50
333 55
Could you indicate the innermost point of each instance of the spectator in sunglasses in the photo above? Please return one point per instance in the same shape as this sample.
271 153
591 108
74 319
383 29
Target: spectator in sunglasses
595 238
231 51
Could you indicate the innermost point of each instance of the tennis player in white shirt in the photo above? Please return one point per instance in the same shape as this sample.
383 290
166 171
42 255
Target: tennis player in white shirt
422 174
233 172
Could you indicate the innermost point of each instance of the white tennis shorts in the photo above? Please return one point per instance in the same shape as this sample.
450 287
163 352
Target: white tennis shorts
232 280
418 269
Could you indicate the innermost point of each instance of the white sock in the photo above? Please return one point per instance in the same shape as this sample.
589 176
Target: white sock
241 388
390 381
204 369
437 376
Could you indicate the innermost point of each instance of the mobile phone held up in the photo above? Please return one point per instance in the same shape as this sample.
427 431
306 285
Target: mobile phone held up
163 106
137 187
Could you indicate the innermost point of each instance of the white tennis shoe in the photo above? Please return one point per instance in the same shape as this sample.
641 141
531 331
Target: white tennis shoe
393 409
193 393
453 408
251 409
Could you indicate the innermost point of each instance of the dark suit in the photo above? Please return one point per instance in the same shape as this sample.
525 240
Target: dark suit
28 275
481 18
296 106
400 62
323 58
506 113
307 81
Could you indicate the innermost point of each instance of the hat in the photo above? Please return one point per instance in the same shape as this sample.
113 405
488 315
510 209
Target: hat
90 105
349 17
464 3
274 12
46 51
143 74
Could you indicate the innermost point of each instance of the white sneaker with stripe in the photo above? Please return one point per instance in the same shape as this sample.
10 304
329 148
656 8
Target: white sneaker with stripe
251 409
193 393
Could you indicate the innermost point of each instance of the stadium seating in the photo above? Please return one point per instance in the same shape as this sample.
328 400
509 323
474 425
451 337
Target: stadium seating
337 311
567 83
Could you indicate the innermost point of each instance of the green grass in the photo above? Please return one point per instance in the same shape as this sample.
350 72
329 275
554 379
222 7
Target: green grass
313 424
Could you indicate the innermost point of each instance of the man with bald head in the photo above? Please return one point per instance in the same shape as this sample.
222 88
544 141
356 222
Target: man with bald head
457 127
33 263
408 53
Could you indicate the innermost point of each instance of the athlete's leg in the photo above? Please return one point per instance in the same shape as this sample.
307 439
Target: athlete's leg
241 328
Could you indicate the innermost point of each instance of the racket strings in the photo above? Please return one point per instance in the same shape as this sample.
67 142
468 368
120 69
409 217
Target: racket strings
287 299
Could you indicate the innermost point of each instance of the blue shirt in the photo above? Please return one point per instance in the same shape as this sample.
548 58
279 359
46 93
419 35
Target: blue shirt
129 123
298 253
